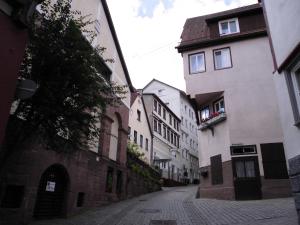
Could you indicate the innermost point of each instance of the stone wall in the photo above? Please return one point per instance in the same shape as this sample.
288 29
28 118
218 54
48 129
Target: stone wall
295 181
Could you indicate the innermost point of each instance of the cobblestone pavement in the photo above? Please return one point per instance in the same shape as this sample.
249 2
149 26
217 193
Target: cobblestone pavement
178 206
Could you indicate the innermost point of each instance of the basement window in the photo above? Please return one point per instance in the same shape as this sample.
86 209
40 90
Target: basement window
80 199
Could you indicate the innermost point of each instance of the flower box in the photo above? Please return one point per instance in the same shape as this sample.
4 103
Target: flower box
213 120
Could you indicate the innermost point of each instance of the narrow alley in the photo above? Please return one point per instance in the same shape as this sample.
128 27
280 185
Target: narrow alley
178 206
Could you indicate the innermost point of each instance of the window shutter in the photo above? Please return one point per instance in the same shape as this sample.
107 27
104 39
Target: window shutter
216 169
274 162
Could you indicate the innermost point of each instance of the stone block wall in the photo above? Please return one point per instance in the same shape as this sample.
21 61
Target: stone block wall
294 172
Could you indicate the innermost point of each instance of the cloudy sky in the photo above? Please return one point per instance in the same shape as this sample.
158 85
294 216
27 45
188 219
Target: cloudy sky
149 30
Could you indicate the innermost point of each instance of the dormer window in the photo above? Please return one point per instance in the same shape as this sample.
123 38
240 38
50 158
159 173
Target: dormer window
230 26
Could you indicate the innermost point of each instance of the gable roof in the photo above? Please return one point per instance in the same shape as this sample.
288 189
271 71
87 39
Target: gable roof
114 34
196 32
162 103
155 80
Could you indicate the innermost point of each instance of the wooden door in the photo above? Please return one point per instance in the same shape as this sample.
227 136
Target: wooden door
246 175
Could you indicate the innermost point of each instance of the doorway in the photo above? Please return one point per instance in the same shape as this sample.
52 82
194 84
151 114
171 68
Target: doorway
51 193
246 178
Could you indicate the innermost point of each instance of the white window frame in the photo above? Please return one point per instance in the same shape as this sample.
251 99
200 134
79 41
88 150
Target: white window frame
218 102
222 50
229 30
199 69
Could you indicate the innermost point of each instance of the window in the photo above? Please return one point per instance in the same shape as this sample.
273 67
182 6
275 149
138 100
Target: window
155 105
168 134
159 128
164 132
197 63
219 106
172 138
138 115
147 144
229 26
135 136
293 84
174 122
170 119
97 26
243 150
119 182
159 109
155 125
141 141
109 179
216 170
164 113
204 113
274 162
222 59
129 132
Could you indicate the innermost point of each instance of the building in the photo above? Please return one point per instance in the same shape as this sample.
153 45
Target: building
62 184
13 41
284 36
180 104
139 129
165 127
227 68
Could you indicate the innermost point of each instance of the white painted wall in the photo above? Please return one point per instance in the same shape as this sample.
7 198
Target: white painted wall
283 19
104 39
141 127
183 110
249 95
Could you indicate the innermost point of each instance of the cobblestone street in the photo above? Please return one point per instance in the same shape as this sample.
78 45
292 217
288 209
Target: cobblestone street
178 206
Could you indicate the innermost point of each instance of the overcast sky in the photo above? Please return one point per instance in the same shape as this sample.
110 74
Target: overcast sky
149 30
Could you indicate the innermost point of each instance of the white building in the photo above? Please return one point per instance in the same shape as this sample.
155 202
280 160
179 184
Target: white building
284 34
227 68
180 104
139 129
166 137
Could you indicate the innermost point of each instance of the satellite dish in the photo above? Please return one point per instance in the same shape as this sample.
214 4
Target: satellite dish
26 89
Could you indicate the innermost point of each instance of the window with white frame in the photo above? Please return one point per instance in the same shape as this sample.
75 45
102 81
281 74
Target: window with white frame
219 106
197 63
222 58
230 26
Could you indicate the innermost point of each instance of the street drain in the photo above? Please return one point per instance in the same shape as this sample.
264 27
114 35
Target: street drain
149 211
180 191
163 222
143 200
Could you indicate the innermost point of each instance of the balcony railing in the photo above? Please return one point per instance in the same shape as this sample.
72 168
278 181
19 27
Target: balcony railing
212 120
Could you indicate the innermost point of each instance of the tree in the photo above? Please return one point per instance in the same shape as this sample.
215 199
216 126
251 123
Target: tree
73 88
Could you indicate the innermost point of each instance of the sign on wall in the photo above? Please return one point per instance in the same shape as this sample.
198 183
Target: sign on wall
50 186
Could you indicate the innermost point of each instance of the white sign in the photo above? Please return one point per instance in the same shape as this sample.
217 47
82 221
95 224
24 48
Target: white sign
50 186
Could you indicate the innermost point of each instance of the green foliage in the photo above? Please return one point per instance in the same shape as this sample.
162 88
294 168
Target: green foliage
73 88
133 149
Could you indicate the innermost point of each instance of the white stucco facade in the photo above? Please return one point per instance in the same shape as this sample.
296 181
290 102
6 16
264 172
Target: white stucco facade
285 32
140 125
104 38
249 94
178 102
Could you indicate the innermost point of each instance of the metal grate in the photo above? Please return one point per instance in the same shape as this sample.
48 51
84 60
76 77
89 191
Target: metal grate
149 211
163 222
